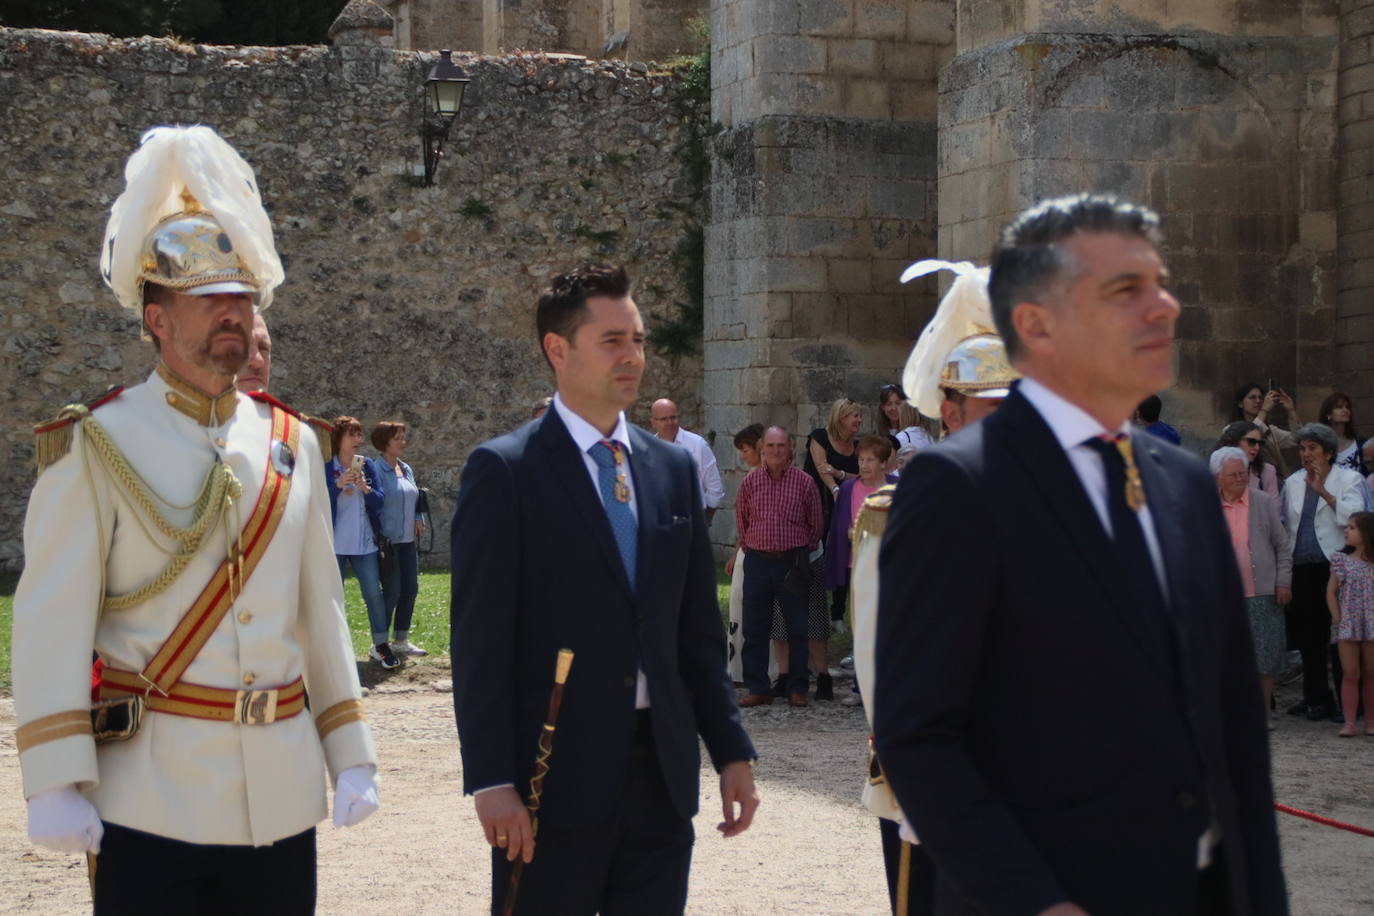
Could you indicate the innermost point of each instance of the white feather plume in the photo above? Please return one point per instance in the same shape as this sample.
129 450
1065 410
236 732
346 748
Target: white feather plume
964 311
168 160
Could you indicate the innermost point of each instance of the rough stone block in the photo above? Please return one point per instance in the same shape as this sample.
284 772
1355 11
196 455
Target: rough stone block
786 93
826 17
792 274
901 199
916 63
880 18
788 54
850 275
817 315
914 102
930 22
866 98
826 237
853 56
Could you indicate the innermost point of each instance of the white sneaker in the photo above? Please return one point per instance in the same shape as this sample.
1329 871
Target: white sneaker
406 647
851 699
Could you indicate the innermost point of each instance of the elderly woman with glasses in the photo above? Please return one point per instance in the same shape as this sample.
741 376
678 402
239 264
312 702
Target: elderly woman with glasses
1261 547
1247 437
1317 500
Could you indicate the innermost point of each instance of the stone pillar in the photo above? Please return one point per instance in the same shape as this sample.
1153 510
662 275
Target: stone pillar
1221 115
1355 219
822 191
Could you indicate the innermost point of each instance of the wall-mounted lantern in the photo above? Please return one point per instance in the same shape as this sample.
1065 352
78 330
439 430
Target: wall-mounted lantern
443 100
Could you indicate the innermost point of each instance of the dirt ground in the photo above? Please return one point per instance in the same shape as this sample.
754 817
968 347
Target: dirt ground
812 850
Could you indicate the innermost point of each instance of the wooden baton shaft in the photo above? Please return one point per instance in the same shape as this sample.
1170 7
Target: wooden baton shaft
541 768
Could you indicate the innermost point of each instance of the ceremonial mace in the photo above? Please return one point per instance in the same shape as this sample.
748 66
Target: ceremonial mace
541 768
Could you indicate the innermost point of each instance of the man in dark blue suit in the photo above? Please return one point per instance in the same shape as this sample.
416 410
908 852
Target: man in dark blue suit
1065 702
580 531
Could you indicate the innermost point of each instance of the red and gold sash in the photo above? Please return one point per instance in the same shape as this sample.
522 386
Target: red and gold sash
194 629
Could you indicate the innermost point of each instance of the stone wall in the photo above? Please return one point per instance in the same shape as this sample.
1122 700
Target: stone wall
1355 218
822 192
1232 139
400 301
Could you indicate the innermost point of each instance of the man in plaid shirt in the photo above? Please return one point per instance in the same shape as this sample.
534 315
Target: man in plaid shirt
778 514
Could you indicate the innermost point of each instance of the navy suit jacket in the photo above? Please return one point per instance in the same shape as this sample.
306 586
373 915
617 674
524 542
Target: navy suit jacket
1047 738
536 569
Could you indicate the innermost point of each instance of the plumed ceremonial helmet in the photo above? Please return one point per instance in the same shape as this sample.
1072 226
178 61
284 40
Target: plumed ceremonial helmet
191 219
978 367
190 252
958 350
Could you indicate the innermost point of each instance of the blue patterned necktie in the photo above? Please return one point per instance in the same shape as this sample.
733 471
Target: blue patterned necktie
608 456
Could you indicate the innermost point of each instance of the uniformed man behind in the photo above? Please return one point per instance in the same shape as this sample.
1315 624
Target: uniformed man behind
958 371
181 530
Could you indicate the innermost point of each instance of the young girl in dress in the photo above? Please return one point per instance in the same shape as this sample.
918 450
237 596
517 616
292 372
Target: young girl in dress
1350 598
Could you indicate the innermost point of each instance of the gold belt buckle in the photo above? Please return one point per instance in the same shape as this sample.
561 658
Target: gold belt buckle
255 707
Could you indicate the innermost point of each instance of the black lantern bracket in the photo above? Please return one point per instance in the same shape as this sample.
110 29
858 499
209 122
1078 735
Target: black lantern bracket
444 88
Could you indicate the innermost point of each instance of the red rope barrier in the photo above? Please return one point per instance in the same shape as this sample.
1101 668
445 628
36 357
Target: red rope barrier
1317 818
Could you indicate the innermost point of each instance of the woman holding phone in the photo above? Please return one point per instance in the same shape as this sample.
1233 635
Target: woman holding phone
400 526
356 498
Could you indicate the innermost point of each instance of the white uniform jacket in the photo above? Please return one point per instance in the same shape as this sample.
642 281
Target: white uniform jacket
190 779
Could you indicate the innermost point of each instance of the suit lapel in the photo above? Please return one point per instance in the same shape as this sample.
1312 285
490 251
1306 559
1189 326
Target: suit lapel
571 470
1166 504
649 500
1048 468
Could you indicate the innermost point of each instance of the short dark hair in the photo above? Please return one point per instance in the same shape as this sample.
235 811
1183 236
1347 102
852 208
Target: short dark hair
1150 408
751 435
563 308
384 432
880 446
153 294
1028 259
343 424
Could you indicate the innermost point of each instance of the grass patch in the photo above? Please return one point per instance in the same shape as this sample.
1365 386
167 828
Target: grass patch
7 584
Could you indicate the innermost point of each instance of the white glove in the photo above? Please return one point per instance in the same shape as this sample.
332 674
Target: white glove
905 832
355 796
63 820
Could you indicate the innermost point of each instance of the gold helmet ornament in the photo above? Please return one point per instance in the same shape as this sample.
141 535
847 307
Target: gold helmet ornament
191 219
959 349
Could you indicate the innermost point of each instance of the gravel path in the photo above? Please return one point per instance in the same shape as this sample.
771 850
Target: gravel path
813 849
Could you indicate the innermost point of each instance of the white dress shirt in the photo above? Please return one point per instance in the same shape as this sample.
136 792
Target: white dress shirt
586 435
712 490
1073 426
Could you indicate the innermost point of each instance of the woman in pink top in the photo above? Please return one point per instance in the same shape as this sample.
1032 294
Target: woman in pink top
873 453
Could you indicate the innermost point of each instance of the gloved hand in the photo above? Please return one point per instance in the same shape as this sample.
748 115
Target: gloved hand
63 820
355 796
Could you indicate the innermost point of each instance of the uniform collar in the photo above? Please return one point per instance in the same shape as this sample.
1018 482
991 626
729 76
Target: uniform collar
187 399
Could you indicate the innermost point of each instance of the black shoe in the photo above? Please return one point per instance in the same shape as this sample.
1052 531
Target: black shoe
382 653
825 686
1298 709
780 686
1318 713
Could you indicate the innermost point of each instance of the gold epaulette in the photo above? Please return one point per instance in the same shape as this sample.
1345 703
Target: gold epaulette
324 430
324 433
53 439
872 518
